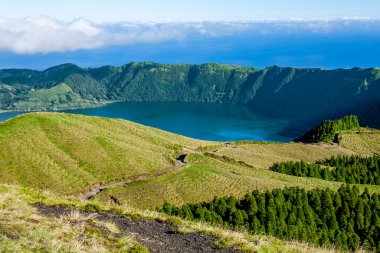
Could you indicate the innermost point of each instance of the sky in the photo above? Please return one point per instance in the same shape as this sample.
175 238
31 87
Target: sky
303 33
163 10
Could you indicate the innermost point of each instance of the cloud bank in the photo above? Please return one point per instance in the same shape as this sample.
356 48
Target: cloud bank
47 35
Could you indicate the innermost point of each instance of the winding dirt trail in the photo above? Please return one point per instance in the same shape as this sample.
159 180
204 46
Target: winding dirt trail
180 160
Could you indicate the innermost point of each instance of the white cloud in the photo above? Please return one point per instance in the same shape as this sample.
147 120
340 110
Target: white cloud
46 35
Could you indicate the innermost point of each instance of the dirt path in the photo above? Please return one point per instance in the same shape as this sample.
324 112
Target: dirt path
155 235
180 160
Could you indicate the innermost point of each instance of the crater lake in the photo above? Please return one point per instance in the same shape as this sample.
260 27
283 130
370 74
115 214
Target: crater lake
206 121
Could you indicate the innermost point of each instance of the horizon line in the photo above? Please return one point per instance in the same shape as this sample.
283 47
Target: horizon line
196 64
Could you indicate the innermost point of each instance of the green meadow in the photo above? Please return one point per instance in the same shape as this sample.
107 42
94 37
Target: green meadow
69 154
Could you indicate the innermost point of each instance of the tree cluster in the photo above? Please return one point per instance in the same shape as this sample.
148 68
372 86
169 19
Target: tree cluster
343 218
346 169
327 129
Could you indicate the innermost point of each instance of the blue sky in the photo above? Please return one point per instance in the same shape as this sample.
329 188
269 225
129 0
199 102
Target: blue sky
153 10
308 33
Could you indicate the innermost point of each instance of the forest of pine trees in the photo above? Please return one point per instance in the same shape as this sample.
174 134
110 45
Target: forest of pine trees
346 169
345 218
327 129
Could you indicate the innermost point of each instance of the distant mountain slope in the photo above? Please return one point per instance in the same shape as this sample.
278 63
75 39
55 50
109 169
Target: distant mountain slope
309 95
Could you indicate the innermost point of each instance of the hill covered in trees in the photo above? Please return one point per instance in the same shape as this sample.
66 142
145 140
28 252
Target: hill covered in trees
347 169
309 95
326 131
346 218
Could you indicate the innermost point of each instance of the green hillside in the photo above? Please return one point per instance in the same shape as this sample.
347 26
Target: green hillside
71 153
346 169
34 221
57 97
327 130
345 219
365 142
203 178
263 155
306 95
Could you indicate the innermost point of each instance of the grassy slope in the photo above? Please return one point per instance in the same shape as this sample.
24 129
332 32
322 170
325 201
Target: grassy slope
263 155
203 178
24 229
365 143
70 153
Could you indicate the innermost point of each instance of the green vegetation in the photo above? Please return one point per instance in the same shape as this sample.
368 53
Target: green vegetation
327 130
353 169
263 155
205 177
70 154
343 218
320 93
366 142
24 229
58 97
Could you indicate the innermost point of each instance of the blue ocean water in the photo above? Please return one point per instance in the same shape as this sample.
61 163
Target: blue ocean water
334 50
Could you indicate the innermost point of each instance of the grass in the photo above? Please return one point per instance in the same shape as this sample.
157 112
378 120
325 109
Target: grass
366 142
71 153
205 177
263 155
23 229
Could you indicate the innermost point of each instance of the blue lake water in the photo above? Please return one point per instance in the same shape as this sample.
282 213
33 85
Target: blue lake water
207 121
8 115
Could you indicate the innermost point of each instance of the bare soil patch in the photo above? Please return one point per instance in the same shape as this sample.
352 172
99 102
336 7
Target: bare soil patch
156 235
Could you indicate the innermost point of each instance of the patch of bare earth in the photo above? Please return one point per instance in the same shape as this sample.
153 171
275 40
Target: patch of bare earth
155 235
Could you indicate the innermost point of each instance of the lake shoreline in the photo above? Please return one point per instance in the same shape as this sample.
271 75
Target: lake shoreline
206 121
100 104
